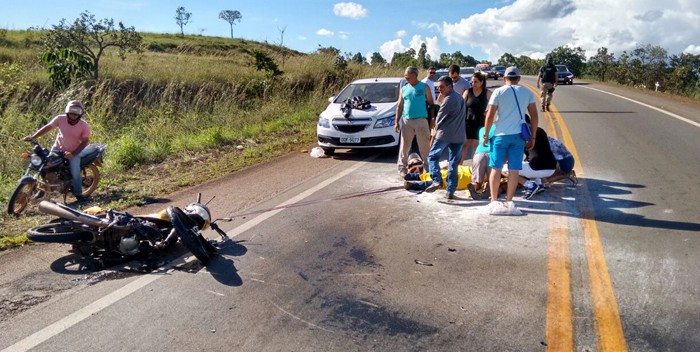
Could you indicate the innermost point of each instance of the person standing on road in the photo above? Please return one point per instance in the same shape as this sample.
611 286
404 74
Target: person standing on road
449 134
429 81
72 138
412 118
548 76
459 84
477 99
510 102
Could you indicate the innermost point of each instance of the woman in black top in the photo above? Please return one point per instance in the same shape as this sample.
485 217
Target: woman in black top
477 99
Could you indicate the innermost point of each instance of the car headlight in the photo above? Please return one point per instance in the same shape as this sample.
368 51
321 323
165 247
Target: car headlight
35 160
385 122
570 76
324 122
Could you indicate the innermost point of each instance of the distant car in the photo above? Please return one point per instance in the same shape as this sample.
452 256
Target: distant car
564 75
497 72
441 72
467 72
368 128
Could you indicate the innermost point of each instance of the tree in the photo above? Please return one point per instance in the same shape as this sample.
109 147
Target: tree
573 58
64 65
405 59
507 59
182 18
377 59
90 38
230 16
600 64
264 62
359 59
422 53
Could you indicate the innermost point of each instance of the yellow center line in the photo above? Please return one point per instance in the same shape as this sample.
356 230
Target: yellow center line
608 326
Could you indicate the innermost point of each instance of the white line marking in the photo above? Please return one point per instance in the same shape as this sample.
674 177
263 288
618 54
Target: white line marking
58 327
696 124
54 329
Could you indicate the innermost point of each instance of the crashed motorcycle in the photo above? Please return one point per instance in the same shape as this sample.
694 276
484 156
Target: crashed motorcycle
112 236
48 174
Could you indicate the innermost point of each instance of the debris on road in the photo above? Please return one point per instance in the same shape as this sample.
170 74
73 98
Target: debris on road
423 263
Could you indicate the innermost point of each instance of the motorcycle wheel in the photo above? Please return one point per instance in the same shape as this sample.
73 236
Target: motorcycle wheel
64 232
91 178
190 238
20 198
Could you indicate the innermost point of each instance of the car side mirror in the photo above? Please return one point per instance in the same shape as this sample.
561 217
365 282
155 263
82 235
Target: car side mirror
330 100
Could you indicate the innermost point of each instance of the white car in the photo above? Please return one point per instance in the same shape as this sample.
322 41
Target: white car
467 72
368 128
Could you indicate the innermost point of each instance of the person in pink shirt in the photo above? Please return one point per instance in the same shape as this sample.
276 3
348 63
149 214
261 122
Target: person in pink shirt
72 138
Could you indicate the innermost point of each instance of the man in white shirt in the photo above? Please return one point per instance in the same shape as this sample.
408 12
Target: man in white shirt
429 80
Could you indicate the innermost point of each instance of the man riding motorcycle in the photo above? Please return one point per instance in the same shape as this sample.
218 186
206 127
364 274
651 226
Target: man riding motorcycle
72 138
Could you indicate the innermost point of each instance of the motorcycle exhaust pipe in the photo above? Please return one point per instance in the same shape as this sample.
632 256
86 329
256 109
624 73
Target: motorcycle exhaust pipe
65 212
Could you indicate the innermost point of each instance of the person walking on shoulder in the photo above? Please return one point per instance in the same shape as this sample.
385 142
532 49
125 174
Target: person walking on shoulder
548 76
506 110
412 118
449 134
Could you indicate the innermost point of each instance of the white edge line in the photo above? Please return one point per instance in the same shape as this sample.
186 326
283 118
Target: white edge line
56 328
696 124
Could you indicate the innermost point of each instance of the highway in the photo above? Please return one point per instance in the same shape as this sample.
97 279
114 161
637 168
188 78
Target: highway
334 255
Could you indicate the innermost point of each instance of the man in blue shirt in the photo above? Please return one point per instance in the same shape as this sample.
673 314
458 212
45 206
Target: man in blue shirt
412 111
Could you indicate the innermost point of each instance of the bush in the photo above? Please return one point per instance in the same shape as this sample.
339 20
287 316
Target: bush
127 152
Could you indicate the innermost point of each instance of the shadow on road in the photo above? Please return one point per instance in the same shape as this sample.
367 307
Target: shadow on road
222 268
604 206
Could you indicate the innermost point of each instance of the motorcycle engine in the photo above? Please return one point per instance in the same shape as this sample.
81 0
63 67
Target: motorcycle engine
128 245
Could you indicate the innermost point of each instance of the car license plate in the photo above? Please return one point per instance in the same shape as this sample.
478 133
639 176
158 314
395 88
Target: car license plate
350 140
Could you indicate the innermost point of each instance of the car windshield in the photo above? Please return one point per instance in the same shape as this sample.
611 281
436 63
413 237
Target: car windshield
562 68
374 92
499 68
466 71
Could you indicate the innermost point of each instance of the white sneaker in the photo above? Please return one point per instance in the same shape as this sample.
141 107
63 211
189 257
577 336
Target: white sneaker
498 208
512 209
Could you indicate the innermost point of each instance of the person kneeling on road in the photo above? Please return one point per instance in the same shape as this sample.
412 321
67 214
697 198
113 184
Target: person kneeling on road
417 180
539 163
565 163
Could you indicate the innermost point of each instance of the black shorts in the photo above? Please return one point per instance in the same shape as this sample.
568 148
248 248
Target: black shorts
473 127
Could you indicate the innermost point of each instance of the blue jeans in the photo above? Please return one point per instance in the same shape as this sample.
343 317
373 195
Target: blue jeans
74 165
454 154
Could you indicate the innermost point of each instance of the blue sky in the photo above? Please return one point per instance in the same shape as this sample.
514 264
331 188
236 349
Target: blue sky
483 29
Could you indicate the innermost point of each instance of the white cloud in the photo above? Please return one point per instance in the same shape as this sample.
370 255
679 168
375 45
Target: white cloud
324 32
692 49
432 46
389 48
400 34
343 35
534 27
350 10
301 37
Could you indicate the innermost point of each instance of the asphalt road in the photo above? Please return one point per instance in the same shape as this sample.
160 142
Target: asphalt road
352 262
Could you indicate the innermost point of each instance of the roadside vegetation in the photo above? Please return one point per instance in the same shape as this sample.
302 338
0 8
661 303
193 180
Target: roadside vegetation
184 110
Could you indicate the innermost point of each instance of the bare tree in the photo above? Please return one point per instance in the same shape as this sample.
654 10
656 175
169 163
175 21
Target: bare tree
182 18
230 16
284 51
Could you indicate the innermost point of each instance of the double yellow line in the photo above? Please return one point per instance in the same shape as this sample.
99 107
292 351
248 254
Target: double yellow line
560 331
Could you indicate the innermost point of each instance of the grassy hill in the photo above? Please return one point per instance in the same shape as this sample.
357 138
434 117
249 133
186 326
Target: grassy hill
184 111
